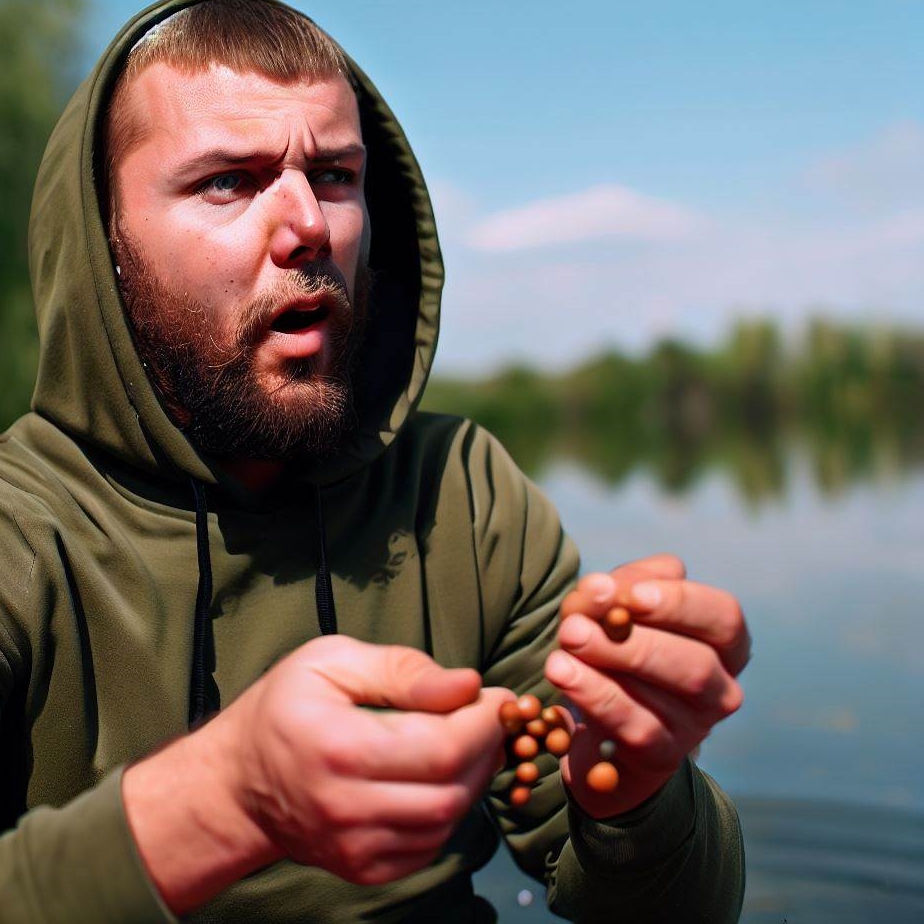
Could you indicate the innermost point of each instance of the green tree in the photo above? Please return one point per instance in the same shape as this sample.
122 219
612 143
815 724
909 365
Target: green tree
39 49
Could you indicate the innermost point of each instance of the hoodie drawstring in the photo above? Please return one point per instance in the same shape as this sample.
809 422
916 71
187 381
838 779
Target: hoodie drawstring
323 592
203 602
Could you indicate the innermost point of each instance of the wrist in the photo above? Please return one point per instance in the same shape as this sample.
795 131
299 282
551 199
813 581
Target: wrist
186 812
640 837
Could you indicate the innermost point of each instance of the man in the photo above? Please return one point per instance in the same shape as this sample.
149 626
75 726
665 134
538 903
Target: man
227 534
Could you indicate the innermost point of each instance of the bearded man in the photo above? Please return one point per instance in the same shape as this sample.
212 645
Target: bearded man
227 532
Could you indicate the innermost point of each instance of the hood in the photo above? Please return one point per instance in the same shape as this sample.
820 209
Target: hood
91 382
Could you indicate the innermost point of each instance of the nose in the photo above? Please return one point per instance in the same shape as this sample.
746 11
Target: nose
300 232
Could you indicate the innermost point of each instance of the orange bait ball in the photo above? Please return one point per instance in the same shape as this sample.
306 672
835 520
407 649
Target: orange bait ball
519 796
552 716
530 707
510 717
525 747
617 624
557 742
537 728
602 777
527 772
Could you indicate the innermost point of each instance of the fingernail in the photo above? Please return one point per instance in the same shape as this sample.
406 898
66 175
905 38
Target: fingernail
560 669
574 632
597 586
646 595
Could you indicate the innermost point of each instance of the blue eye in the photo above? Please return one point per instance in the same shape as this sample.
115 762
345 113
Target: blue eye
225 188
227 182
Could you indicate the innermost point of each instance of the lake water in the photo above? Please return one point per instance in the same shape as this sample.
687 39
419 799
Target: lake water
825 758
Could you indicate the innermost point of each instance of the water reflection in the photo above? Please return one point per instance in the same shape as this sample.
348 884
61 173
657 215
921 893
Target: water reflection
808 504
849 398
821 862
754 460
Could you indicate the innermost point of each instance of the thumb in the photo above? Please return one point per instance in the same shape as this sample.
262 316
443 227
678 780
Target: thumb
391 675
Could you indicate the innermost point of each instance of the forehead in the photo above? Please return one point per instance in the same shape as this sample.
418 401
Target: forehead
175 108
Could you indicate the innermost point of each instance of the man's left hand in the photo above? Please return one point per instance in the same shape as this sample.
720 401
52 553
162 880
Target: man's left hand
656 695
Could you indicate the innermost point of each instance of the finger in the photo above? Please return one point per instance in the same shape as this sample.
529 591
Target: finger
347 803
639 733
683 666
687 727
419 746
593 596
369 843
662 565
390 675
699 611
597 592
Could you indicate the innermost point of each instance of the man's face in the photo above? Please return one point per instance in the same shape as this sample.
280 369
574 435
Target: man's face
239 228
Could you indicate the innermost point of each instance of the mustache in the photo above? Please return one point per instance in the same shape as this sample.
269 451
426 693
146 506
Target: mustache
325 283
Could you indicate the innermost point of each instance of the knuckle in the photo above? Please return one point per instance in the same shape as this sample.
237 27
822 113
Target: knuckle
610 705
404 661
642 736
731 627
734 698
440 835
337 749
450 807
447 760
335 812
640 653
352 855
700 678
324 810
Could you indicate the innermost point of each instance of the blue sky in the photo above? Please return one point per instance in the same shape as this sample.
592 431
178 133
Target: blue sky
609 173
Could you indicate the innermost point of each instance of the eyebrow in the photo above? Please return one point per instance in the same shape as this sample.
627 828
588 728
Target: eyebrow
223 157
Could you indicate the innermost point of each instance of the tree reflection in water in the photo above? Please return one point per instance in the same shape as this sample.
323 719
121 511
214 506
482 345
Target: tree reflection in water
848 397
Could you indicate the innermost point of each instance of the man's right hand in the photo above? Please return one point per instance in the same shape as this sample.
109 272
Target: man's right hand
298 767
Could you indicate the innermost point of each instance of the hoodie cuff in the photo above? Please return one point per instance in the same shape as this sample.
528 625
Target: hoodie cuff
83 865
638 840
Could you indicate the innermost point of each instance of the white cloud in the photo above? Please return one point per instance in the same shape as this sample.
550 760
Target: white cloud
887 171
647 268
606 211
555 311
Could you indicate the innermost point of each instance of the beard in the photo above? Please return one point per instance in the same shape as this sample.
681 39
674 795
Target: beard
209 380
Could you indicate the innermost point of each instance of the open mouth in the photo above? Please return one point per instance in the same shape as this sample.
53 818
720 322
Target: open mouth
296 320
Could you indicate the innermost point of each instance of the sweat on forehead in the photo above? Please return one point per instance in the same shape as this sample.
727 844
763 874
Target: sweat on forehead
258 36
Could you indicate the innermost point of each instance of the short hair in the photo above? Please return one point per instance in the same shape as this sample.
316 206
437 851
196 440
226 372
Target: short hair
245 35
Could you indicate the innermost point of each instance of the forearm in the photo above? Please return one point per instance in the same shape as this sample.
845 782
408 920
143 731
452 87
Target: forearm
186 817
679 857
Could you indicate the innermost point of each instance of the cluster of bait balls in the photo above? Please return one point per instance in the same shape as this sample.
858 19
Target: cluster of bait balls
530 727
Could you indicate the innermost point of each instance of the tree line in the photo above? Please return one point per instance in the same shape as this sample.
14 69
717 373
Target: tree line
851 396
38 38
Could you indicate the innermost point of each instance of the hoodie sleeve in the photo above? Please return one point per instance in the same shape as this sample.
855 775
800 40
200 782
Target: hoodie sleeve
679 856
76 862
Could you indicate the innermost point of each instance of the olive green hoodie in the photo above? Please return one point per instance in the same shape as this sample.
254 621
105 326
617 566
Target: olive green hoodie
113 526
